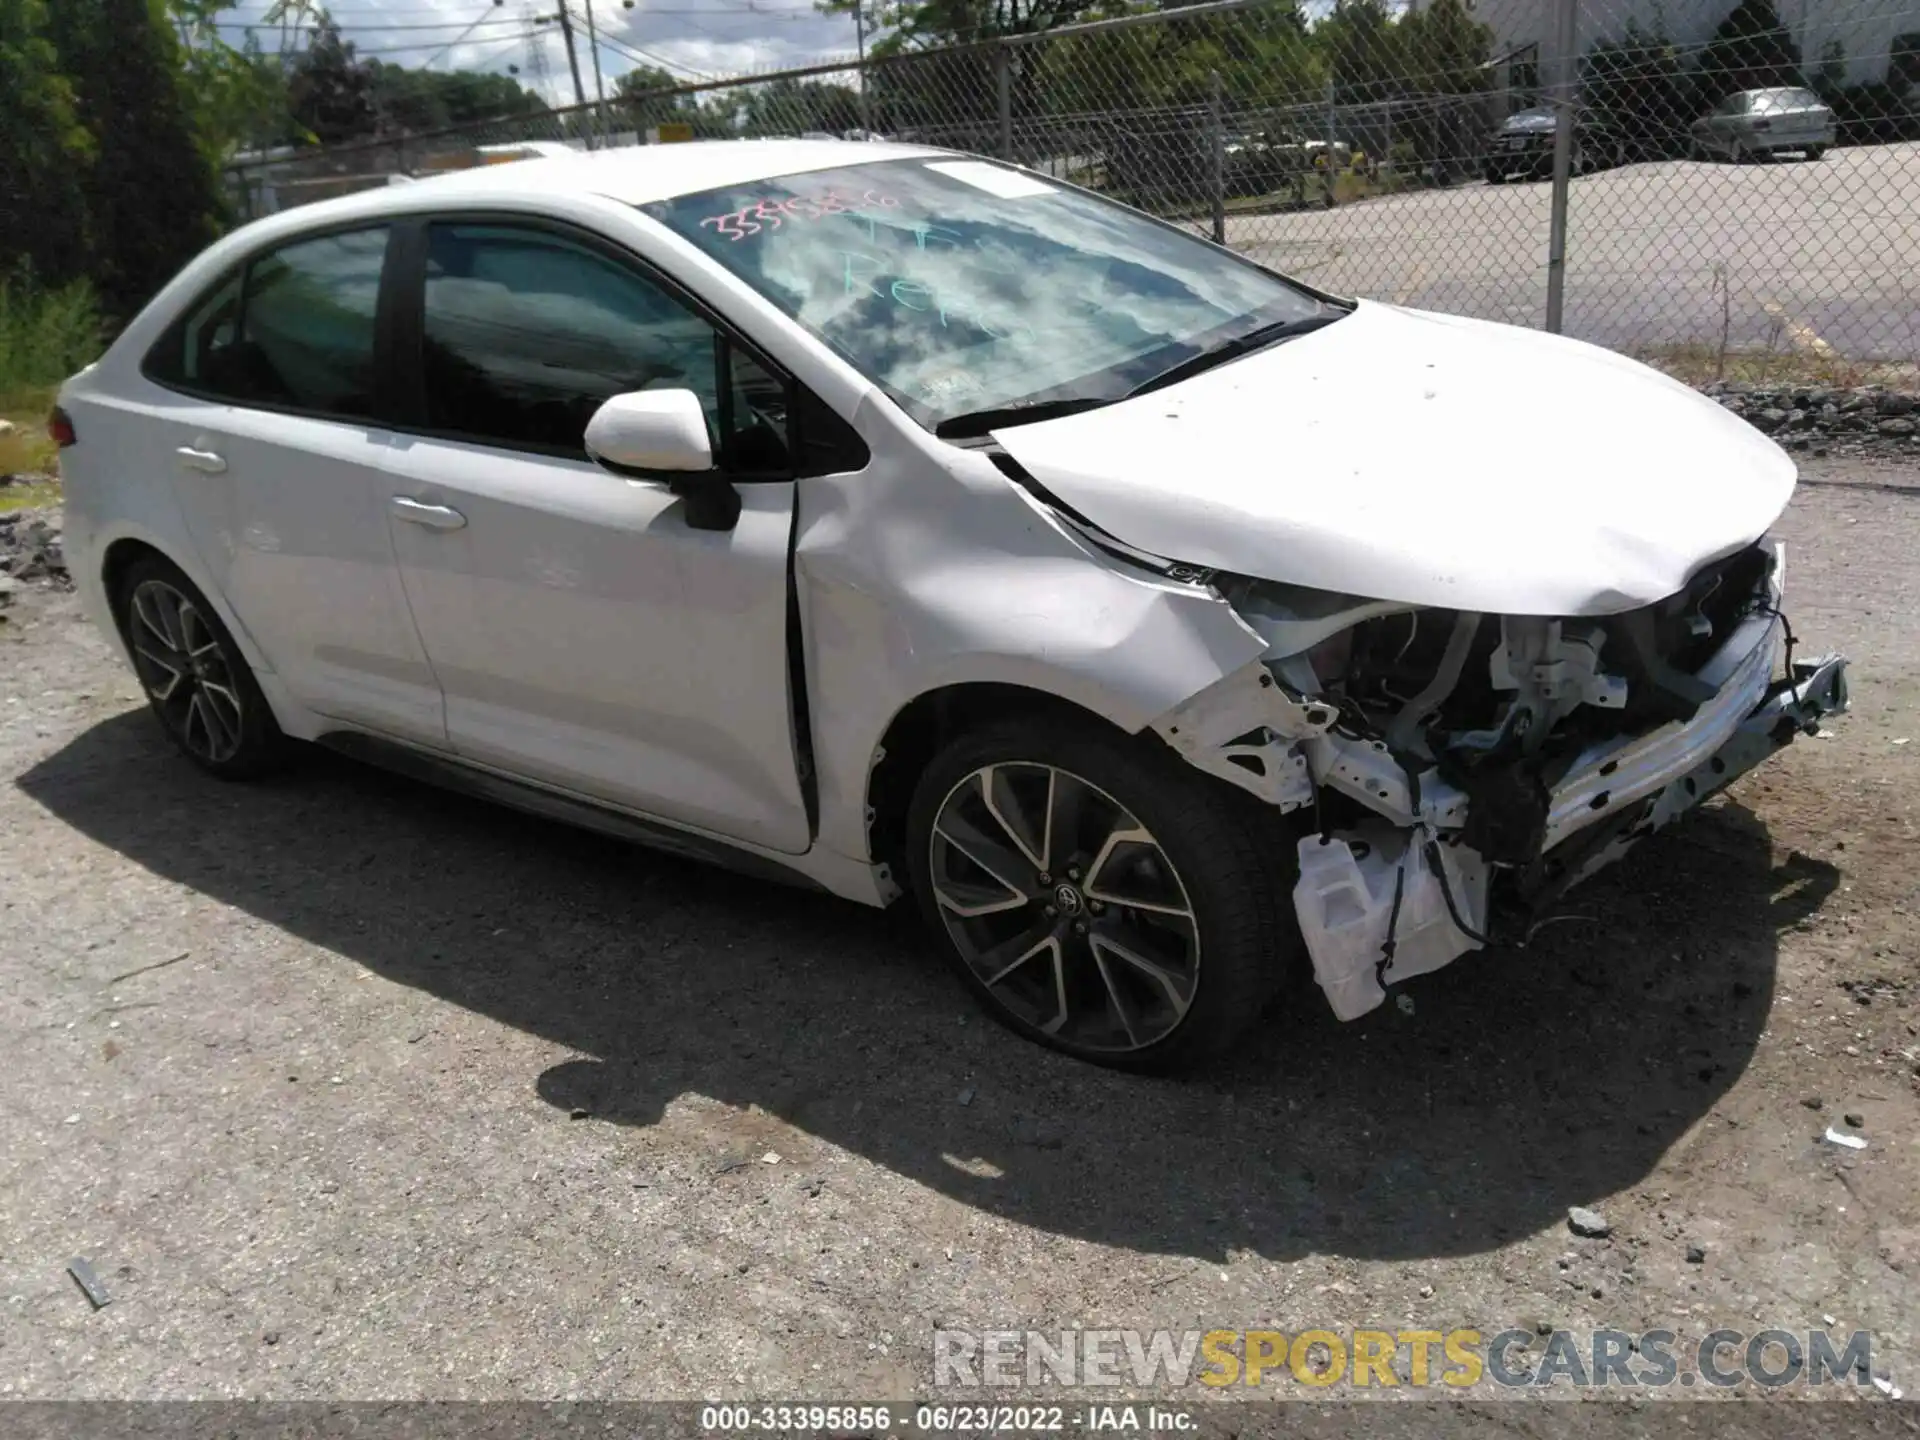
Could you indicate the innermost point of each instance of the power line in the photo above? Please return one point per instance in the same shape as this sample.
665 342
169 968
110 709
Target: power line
363 29
643 57
436 46
482 20
294 13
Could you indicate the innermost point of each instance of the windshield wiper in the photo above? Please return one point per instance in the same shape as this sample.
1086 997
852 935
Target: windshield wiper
979 422
1256 339
1023 412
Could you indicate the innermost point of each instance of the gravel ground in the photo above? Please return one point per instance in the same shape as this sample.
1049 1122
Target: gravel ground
351 1088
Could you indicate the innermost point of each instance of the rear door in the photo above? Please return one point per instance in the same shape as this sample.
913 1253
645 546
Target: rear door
277 452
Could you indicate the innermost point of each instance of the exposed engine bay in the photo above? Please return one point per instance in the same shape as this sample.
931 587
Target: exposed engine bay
1459 768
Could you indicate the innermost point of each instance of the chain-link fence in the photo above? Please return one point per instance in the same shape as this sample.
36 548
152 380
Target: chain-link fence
1709 184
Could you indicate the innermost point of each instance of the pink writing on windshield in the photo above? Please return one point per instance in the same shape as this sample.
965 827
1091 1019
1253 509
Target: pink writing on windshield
772 214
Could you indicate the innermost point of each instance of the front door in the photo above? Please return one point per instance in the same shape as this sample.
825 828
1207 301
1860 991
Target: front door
583 633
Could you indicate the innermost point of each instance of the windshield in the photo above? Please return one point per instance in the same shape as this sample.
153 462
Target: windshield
961 285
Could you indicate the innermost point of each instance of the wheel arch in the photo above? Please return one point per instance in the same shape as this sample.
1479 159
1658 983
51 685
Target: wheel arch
925 726
118 552
115 553
119 557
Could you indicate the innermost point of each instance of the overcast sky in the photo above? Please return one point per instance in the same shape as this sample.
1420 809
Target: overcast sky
692 38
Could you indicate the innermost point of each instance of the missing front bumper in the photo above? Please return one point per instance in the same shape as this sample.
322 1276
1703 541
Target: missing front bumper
1374 909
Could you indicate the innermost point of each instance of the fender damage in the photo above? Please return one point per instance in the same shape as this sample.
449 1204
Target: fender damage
1455 766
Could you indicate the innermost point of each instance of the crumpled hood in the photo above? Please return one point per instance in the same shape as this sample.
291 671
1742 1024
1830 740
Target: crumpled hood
1429 459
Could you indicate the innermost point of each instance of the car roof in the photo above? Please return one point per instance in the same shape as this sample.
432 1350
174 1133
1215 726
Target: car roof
631 175
637 174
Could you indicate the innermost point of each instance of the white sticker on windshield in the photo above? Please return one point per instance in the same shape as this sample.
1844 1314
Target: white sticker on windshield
1007 184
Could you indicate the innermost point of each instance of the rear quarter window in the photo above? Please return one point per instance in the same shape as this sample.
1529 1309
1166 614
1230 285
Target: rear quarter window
292 330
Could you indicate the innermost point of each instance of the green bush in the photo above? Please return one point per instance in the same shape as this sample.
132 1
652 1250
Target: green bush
1639 92
1875 114
45 335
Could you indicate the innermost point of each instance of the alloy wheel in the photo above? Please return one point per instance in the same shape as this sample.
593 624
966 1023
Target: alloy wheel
1064 907
186 671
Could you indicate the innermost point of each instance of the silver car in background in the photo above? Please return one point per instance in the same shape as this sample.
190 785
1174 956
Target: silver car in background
1751 124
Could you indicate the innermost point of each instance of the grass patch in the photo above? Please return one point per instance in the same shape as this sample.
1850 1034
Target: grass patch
1702 364
29 450
45 335
29 497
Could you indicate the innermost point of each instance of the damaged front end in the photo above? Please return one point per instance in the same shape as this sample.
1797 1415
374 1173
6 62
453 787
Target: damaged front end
1457 766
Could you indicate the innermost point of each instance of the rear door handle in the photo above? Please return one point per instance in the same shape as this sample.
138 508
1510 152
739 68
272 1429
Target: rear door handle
210 462
434 517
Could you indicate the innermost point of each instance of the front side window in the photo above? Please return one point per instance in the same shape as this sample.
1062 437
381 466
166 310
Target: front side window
960 286
293 330
527 334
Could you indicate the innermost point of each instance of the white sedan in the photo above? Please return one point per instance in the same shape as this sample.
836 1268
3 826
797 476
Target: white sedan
905 523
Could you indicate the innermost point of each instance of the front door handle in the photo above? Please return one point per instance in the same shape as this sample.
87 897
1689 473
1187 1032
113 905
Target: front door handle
434 517
210 462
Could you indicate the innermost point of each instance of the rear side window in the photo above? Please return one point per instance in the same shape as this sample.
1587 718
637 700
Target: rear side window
293 331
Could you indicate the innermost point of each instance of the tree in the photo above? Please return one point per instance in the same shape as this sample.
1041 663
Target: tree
1360 44
1447 51
330 90
924 24
790 107
1903 61
151 194
1637 89
1830 76
411 101
1751 50
45 152
237 97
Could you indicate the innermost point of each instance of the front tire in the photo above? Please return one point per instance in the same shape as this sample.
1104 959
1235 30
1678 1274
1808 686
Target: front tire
196 679
1816 152
1098 895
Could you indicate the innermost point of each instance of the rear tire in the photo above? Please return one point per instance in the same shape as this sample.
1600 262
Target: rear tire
1816 152
1098 895
196 679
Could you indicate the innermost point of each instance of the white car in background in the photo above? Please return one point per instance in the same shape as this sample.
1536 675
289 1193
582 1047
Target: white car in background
901 522
1760 124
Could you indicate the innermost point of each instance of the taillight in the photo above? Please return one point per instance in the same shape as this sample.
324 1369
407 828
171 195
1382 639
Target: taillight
60 427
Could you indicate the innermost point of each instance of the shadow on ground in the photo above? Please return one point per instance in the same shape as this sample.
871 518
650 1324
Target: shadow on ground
1524 1082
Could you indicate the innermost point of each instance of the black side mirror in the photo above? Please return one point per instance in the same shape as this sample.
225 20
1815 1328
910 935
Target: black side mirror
712 501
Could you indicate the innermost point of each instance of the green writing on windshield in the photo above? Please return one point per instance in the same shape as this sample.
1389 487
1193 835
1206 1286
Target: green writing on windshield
867 275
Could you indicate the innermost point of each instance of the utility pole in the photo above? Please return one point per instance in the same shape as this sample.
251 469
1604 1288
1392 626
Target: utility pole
599 85
860 40
573 62
1566 72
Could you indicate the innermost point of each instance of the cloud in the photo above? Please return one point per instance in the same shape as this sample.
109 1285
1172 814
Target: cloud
693 38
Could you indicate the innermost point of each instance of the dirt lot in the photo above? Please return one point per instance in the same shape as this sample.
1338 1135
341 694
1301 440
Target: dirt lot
349 1088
